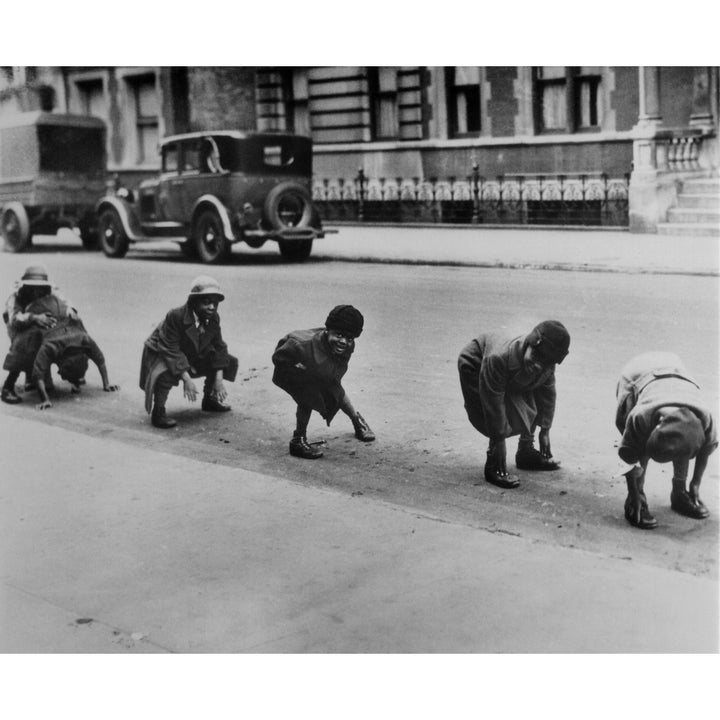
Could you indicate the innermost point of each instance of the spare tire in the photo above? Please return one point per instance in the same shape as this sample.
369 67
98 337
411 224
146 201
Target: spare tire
288 205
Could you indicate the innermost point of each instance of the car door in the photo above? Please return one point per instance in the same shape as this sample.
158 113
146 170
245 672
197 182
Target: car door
170 185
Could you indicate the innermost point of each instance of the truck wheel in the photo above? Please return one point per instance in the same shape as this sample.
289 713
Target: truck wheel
16 228
113 239
288 205
210 242
295 251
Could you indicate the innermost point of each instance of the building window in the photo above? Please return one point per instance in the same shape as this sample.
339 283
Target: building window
146 118
92 98
463 97
295 96
567 99
382 85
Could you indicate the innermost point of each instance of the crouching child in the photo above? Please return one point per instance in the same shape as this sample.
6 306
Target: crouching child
69 346
309 366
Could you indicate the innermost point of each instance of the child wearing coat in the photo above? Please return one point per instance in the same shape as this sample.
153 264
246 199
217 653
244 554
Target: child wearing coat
310 365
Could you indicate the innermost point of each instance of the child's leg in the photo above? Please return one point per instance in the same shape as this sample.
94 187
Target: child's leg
9 395
299 446
362 429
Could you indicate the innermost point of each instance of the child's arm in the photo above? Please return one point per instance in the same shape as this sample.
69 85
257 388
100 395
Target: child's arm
96 355
44 403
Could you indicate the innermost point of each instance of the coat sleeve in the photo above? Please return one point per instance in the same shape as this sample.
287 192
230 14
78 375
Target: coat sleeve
94 352
220 357
545 397
167 344
492 386
634 439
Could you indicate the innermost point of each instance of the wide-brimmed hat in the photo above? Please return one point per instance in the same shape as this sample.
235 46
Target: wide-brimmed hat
205 285
551 340
678 434
35 275
345 319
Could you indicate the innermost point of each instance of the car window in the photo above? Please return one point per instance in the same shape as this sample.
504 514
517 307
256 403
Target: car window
191 157
277 155
170 158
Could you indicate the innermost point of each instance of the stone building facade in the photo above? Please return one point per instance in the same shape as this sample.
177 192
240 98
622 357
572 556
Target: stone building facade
506 129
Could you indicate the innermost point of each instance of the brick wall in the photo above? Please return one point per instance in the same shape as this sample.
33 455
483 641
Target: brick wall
222 98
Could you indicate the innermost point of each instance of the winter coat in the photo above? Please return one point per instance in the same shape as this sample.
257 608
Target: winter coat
176 345
318 385
67 336
647 383
500 400
27 338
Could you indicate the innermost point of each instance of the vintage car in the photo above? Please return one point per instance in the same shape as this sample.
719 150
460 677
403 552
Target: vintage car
52 172
215 189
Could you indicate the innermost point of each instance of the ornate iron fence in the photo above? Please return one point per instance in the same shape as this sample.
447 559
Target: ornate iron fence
587 199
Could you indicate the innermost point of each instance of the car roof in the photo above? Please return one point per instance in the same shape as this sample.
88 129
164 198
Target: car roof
38 117
237 134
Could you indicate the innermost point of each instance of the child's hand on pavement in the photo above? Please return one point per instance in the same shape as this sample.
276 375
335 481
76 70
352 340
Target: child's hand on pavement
44 405
189 390
219 391
111 388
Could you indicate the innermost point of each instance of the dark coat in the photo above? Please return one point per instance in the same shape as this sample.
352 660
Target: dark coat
647 383
26 339
67 336
176 345
318 386
499 399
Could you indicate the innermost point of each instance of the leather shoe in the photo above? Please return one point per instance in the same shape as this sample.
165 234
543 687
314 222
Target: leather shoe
645 522
10 397
682 503
161 420
501 479
300 447
362 429
529 458
210 404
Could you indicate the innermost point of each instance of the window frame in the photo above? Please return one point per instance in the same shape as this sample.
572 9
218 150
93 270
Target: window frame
572 81
452 90
376 97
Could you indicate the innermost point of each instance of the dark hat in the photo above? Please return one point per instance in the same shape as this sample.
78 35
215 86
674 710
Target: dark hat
35 275
551 340
73 366
346 319
678 434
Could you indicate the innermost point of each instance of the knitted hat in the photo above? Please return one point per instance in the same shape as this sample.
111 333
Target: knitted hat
205 285
35 275
678 434
345 319
551 340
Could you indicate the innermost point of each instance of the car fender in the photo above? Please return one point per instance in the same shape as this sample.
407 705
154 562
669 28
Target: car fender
126 213
210 200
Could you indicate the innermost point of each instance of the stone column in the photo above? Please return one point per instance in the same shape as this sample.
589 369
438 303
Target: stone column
649 110
650 195
701 109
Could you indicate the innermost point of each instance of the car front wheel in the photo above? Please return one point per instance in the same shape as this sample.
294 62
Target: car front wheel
113 239
210 241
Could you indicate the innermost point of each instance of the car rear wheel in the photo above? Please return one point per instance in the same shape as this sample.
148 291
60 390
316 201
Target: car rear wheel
16 228
210 241
295 250
113 239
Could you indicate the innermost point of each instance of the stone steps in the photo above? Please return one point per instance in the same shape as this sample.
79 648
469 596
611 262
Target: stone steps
697 211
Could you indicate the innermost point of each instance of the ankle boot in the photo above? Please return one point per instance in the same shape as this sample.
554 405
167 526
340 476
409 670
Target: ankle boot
300 447
160 419
362 429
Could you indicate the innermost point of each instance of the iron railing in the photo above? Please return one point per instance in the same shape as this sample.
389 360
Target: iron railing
582 199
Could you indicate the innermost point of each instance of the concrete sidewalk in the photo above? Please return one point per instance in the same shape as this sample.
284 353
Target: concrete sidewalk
107 548
566 249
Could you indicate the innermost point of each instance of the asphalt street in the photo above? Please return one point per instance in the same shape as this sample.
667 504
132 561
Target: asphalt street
210 538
